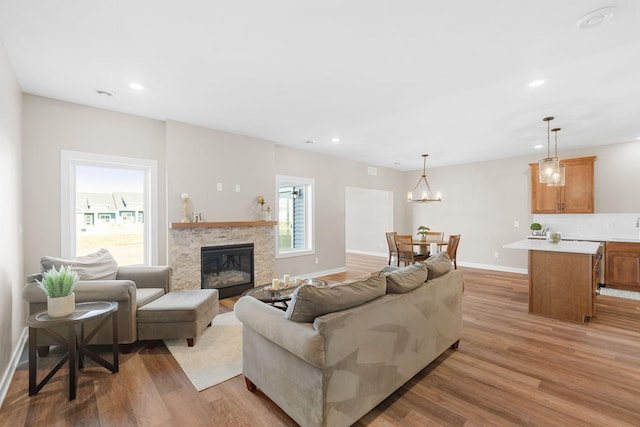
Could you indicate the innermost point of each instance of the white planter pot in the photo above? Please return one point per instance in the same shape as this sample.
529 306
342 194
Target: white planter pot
62 306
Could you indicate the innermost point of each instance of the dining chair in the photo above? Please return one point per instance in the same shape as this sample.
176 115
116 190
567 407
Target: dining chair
452 248
406 254
435 236
391 241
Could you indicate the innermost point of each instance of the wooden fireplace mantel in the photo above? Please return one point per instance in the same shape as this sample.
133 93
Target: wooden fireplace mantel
176 225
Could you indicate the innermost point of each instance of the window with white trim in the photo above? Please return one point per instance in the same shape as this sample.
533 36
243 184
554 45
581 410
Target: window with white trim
104 202
295 216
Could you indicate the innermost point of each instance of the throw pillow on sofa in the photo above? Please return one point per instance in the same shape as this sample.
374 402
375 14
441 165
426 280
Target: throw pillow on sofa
407 278
309 302
438 265
96 266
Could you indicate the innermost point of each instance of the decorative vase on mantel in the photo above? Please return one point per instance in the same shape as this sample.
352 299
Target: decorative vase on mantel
262 216
61 306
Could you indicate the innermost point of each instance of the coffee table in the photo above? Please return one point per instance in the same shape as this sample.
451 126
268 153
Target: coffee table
282 295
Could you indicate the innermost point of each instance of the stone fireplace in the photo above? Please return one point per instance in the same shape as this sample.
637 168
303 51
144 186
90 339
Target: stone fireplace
186 241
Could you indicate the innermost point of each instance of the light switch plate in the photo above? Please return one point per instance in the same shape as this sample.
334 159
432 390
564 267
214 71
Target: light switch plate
237 188
219 186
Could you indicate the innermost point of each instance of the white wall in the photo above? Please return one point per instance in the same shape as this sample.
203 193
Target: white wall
12 308
368 216
482 200
50 126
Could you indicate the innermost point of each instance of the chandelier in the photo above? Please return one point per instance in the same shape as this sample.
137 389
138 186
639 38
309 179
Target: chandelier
422 192
549 166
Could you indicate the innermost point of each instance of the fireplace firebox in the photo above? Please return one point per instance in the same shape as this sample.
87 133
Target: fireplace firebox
228 268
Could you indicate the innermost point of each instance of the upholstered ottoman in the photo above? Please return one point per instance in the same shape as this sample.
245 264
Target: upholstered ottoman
179 314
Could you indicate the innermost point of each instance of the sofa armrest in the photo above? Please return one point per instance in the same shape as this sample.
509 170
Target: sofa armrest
296 337
145 276
94 290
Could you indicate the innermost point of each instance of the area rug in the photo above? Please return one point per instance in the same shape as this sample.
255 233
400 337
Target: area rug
619 293
217 355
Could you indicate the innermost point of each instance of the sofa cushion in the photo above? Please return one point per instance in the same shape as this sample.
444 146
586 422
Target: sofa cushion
96 266
146 295
406 278
438 265
309 302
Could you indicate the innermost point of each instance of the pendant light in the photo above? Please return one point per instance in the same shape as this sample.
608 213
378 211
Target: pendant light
422 192
557 179
548 166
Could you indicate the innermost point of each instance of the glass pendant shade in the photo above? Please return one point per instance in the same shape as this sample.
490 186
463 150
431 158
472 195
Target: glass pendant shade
557 179
557 176
547 168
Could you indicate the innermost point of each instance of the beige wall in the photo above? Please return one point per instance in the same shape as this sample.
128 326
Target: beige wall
12 308
198 159
51 126
482 200
332 175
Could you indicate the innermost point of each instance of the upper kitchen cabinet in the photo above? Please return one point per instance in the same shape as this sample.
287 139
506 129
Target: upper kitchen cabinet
576 196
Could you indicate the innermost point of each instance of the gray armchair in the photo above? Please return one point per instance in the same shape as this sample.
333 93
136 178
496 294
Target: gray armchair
133 287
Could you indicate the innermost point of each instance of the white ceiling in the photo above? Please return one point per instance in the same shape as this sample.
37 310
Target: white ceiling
391 79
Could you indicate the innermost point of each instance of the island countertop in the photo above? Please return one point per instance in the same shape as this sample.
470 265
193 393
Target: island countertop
567 246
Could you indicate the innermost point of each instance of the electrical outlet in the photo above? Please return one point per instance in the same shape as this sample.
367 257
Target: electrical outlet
219 186
237 188
317 260
496 255
516 223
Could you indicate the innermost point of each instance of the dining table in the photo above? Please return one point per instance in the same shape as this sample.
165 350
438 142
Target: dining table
430 246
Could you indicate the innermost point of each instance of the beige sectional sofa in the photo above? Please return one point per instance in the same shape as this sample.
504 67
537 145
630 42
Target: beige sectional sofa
332 370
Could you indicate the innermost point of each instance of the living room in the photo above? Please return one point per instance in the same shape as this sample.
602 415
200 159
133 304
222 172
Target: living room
482 199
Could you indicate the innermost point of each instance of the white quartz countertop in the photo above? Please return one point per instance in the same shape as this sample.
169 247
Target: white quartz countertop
562 246
592 238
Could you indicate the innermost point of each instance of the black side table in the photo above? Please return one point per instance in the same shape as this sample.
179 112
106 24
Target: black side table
75 341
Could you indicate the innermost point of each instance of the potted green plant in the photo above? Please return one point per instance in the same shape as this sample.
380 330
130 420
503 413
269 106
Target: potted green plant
422 232
535 228
59 285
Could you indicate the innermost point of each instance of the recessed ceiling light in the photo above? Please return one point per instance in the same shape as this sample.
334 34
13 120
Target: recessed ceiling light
136 86
539 146
105 92
536 83
595 18
335 139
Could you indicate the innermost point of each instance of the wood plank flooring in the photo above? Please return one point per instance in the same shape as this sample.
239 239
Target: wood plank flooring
511 368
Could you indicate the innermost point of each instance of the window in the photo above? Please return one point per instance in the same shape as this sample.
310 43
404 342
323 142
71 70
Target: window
295 216
104 202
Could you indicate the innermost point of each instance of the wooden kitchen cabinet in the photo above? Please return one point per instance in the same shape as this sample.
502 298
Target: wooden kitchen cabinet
563 285
576 196
622 265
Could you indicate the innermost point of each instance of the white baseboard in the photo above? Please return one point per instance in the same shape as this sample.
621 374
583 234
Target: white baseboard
11 369
323 273
494 267
380 254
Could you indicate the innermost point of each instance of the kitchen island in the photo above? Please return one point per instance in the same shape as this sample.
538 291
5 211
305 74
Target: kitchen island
563 277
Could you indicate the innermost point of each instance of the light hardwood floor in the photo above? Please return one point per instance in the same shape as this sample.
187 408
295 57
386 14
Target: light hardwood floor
511 368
